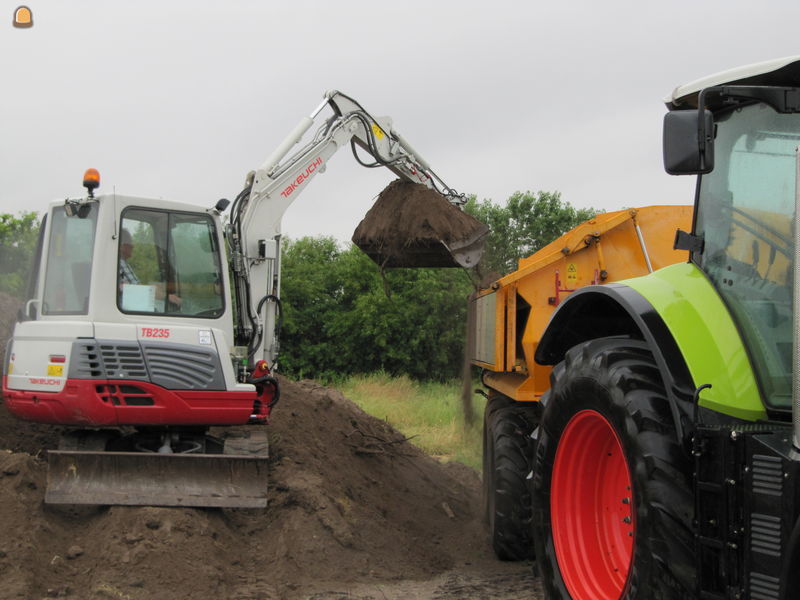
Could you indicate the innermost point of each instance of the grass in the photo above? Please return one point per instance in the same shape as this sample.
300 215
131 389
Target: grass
430 413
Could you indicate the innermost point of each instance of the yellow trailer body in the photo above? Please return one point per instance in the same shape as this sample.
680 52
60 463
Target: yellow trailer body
510 316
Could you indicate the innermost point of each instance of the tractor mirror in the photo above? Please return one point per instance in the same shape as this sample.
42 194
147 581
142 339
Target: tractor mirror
688 142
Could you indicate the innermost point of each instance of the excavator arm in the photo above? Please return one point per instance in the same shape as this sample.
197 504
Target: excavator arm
254 229
351 123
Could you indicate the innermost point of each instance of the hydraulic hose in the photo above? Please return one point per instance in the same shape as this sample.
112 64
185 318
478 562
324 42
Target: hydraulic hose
269 380
258 338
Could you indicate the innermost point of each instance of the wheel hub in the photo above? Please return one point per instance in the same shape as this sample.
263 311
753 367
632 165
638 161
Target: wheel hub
591 508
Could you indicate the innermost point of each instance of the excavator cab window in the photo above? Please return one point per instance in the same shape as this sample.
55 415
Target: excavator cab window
69 262
169 264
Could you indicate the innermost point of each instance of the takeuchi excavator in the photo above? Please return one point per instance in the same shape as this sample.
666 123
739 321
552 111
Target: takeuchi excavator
149 321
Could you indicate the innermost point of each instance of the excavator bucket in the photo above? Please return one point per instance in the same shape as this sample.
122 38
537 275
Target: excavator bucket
152 479
411 225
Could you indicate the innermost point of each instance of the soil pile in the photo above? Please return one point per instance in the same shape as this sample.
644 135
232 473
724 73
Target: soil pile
411 225
350 501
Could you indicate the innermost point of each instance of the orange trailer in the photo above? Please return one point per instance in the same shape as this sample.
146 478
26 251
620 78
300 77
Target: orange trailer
510 316
507 321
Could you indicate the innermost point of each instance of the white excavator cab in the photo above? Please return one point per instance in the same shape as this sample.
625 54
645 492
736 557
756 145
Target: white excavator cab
164 262
125 270
129 325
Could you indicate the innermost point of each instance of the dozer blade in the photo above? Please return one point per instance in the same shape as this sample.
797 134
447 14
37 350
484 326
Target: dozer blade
411 225
151 479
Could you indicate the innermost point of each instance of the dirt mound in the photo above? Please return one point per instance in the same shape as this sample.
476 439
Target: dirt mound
351 501
22 436
411 225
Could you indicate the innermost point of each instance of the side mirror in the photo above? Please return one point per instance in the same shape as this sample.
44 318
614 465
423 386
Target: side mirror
688 142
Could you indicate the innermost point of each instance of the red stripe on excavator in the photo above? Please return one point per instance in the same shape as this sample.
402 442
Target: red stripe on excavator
93 402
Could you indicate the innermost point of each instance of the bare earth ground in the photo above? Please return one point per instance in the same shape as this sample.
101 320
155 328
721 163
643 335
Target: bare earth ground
355 512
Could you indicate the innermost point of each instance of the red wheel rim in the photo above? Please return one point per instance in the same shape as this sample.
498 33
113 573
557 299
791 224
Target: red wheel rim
591 509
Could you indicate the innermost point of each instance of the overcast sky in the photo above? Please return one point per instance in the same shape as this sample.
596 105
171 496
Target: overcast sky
181 99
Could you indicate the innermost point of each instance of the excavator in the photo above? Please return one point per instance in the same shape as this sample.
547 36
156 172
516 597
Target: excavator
150 321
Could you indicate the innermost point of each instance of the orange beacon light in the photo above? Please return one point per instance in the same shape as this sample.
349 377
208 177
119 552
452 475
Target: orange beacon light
91 181
23 17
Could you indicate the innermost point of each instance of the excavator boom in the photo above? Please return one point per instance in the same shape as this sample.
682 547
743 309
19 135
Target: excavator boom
415 222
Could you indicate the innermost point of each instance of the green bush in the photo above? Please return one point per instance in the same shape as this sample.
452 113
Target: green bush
343 316
18 237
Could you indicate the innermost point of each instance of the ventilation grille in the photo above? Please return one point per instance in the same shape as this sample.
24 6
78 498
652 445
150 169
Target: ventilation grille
173 366
183 367
767 475
765 533
764 587
123 361
85 361
124 395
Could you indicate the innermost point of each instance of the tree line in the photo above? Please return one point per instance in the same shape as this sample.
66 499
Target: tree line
17 244
342 315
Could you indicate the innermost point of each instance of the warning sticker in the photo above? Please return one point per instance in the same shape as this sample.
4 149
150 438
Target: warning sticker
55 370
572 273
377 131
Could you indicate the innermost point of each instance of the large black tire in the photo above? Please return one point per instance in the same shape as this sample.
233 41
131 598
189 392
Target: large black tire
507 458
612 387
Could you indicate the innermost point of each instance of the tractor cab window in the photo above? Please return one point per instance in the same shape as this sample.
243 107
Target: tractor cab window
746 215
169 264
68 273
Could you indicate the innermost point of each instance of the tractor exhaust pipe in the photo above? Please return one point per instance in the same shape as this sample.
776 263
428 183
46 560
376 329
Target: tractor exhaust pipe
796 310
